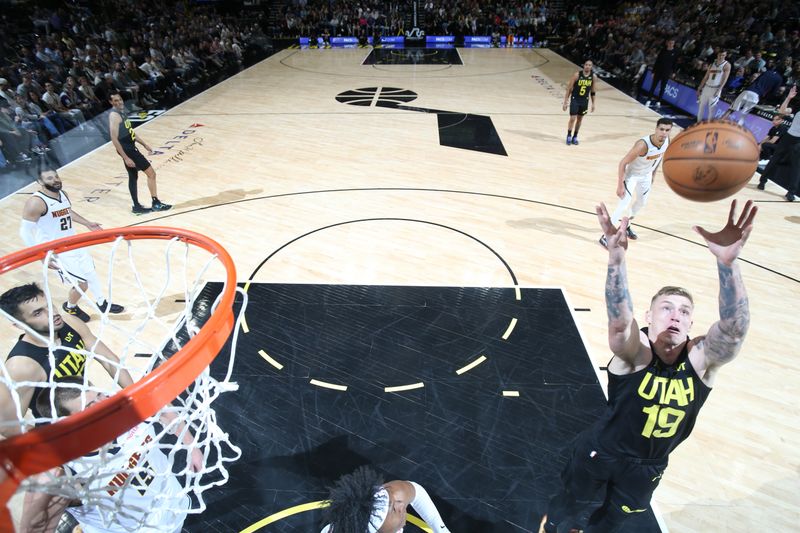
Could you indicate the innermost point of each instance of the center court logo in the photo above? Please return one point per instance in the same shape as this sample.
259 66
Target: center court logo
456 129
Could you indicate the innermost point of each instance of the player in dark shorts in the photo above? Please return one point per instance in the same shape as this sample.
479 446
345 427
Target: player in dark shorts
658 379
579 89
124 140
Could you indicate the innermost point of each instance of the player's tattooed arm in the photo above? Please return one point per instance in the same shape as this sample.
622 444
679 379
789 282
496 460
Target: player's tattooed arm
725 338
622 328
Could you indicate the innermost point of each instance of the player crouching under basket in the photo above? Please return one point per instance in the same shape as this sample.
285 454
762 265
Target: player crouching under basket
128 485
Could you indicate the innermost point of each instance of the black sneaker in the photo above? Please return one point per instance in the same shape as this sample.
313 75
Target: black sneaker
158 205
114 309
76 312
761 185
140 209
789 197
603 241
631 234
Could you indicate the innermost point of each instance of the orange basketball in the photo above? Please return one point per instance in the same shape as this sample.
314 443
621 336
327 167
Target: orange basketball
710 160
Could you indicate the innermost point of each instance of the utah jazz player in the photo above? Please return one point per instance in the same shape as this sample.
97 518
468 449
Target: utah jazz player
658 380
31 360
124 140
579 89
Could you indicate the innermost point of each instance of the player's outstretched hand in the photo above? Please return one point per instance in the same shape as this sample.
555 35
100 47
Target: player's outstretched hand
617 238
727 243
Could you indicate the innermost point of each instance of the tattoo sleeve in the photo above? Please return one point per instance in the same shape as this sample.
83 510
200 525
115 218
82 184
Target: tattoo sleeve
618 300
725 338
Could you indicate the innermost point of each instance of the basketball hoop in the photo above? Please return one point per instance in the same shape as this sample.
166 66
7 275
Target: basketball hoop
51 445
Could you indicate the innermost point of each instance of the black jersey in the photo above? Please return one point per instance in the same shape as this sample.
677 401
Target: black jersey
68 360
125 135
653 410
583 85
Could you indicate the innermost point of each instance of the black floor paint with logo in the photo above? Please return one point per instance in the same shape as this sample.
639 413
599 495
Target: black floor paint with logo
489 461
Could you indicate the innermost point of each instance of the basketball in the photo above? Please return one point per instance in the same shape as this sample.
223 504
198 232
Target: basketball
710 161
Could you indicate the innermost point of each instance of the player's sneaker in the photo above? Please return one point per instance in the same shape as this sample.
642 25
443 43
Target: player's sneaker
761 185
139 209
575 140
76 312
158 205
789 197
603 241
631 234
569 140
114 309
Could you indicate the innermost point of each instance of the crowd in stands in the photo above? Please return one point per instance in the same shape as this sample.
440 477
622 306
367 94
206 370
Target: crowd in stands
58 67
620 39
755 34
324 18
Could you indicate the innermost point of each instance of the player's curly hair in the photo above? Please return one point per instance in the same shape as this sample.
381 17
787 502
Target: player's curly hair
352 499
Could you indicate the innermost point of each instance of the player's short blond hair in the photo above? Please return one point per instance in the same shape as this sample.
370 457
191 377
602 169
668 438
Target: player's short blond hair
670 290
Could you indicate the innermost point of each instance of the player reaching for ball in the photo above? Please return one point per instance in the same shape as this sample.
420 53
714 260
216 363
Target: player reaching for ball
658 379
636 171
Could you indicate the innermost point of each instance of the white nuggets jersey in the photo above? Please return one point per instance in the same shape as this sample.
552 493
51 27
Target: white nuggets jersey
715 73
644 165
57 221
148 489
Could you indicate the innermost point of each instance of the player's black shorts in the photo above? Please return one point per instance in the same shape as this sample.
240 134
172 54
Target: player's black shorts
626 483
140 160
579 106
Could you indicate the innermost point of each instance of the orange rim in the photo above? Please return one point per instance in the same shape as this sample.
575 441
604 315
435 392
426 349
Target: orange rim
52 445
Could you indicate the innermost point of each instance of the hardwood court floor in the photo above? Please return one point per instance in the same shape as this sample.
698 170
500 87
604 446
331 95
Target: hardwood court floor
271 155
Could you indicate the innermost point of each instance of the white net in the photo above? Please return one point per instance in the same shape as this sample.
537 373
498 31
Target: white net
151 476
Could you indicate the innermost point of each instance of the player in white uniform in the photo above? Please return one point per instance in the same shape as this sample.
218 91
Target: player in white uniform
48 215
636 172
151 482
149 498
710 88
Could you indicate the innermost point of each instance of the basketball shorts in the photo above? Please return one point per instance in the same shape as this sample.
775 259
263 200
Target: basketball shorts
638 183
746 101
628 484
578 106
709 94
138 158
75 266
